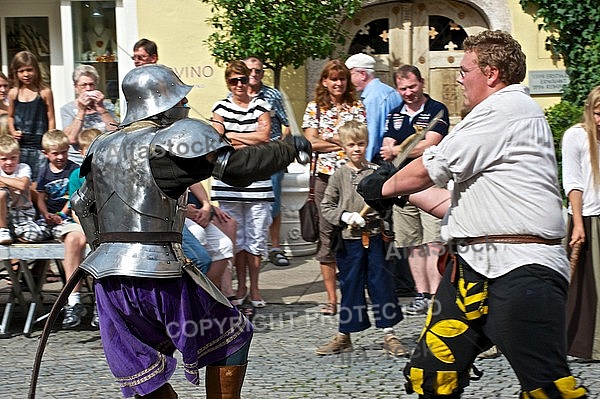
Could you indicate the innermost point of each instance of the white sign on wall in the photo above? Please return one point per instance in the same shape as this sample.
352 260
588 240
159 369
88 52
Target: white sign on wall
547 82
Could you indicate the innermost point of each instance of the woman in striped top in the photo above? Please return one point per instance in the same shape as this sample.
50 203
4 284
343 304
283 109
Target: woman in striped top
245 121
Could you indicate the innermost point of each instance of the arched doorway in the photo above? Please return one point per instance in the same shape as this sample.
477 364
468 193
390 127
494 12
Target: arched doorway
428 35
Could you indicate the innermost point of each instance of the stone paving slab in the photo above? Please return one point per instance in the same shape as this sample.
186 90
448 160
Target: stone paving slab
282 361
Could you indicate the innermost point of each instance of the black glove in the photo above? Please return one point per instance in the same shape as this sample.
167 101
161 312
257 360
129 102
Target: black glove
401 201
303 148
370 188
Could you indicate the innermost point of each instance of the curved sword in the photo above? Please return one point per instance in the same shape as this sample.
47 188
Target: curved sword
56 308
411 141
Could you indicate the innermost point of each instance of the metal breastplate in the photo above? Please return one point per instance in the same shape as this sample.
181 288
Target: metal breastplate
127 200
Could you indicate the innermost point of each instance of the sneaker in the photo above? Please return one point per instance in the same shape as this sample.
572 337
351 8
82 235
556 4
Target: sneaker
341 343
73 315
5 237
418 306
491 353
95 319
278 258
393 346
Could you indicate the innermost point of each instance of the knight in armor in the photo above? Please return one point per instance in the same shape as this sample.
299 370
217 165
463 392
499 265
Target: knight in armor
151 299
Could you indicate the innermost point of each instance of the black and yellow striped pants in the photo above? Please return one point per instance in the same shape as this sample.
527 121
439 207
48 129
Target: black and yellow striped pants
522 312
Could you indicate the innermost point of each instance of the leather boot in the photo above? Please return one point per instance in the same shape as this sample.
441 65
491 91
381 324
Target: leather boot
225 382
164 392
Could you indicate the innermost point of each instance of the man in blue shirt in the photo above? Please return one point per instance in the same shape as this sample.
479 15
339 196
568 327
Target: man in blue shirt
379 99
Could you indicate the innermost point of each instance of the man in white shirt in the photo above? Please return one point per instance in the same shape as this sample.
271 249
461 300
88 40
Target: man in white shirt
509 276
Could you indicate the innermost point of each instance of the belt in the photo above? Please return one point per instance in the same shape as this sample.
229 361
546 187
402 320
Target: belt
141 237
507 239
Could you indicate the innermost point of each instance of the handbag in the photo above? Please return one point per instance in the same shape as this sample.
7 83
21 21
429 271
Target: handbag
309 213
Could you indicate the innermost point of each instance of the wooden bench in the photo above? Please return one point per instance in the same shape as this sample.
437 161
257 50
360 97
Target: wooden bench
30 301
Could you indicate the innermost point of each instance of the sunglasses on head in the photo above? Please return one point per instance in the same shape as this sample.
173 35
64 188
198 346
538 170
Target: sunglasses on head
234 81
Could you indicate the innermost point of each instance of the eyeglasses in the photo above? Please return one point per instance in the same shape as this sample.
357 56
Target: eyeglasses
140 57
84 85
463 72
234 81
256 71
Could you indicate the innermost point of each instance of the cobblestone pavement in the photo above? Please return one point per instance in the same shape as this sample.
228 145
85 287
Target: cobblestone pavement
282 361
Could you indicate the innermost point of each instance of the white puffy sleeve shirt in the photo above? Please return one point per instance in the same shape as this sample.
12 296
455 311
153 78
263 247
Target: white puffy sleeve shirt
577 170
502 161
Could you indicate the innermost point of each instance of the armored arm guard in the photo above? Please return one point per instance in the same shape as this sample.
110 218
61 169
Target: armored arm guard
221 163
258 162
83 203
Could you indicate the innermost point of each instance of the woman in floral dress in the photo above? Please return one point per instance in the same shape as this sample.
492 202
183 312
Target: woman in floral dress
334 103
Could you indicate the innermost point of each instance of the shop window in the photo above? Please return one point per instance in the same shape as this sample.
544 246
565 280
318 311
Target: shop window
445 34
95 42
29 34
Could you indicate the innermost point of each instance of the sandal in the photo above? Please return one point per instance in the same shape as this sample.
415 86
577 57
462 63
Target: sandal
258 303
329 309
249 312
278 258
239 301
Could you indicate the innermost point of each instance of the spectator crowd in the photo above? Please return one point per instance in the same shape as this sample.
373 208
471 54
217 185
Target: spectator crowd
394 184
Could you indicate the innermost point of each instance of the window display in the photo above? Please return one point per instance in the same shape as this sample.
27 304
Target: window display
94 42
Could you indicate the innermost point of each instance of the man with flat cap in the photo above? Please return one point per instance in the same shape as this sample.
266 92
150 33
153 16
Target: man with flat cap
379 99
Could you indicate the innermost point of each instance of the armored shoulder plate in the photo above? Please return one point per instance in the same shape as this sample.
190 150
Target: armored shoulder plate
188 138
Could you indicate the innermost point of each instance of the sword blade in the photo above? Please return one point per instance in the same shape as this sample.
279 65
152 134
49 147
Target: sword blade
411 142
289 111
204 282
54 312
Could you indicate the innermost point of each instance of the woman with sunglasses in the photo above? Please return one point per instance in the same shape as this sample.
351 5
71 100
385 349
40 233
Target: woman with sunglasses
245 121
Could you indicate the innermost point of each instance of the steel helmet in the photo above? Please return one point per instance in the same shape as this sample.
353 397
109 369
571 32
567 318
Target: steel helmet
150 90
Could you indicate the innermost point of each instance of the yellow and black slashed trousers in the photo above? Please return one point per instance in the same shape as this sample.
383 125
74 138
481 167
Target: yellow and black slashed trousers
522 312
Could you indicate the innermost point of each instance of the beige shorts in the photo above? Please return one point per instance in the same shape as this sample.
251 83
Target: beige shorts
414 227
60 231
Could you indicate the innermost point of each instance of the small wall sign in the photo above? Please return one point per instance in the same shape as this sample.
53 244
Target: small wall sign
547 82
